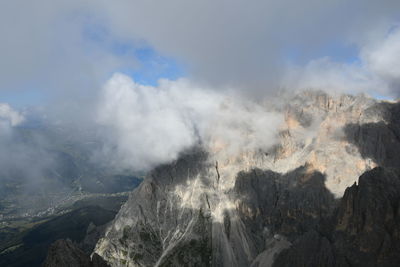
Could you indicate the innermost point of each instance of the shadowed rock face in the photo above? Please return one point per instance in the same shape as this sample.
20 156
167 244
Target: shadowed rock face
310 250
64 253
381 140
156 227
281 210
287 204
367 228
364 231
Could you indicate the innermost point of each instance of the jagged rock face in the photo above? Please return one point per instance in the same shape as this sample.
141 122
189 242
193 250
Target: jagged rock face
156 228
367 229
213 209
161 226
314 135
364 230
64 253
310 250
287 204
379 141
177 218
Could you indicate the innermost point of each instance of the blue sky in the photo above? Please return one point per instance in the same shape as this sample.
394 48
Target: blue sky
151 66
22 98
140 61
338 51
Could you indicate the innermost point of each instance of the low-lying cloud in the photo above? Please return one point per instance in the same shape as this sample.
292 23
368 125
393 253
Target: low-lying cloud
9 118
149 125
249 46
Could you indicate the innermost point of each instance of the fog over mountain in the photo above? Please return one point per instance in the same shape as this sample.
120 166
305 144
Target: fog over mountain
253 49
177 115
237 49
250 124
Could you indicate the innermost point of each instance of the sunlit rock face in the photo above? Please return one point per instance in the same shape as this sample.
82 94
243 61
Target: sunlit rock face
218 206
157 222
314 134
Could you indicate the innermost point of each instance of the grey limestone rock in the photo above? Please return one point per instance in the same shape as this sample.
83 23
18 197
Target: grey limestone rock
282 207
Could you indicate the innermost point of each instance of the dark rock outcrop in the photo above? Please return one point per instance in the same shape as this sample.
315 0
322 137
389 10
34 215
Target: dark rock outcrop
379 141
288 204
64 253
367 227
310 250
364 231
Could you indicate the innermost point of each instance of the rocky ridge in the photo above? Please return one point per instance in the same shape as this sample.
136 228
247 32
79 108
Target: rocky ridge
210 209
64 253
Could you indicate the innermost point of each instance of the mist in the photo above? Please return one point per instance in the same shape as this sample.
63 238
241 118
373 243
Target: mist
147 126
85 65
25 163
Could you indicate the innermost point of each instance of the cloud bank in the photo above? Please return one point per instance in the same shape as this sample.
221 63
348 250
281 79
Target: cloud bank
68 49
148 125
9 117
376 71
246 45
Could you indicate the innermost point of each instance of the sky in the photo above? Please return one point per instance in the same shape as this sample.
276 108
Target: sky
133 67
68 47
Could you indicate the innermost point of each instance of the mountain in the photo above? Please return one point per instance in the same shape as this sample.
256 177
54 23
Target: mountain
66 253
327 194
363 231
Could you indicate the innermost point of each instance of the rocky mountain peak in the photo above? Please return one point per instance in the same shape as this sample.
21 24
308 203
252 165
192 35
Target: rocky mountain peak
212 208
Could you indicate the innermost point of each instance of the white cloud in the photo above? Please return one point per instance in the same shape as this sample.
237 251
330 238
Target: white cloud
152 125
383 59
376 72
228 43
244 43
9 117
334 77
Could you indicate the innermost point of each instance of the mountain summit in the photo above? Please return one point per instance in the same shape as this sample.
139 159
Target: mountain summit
295 204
